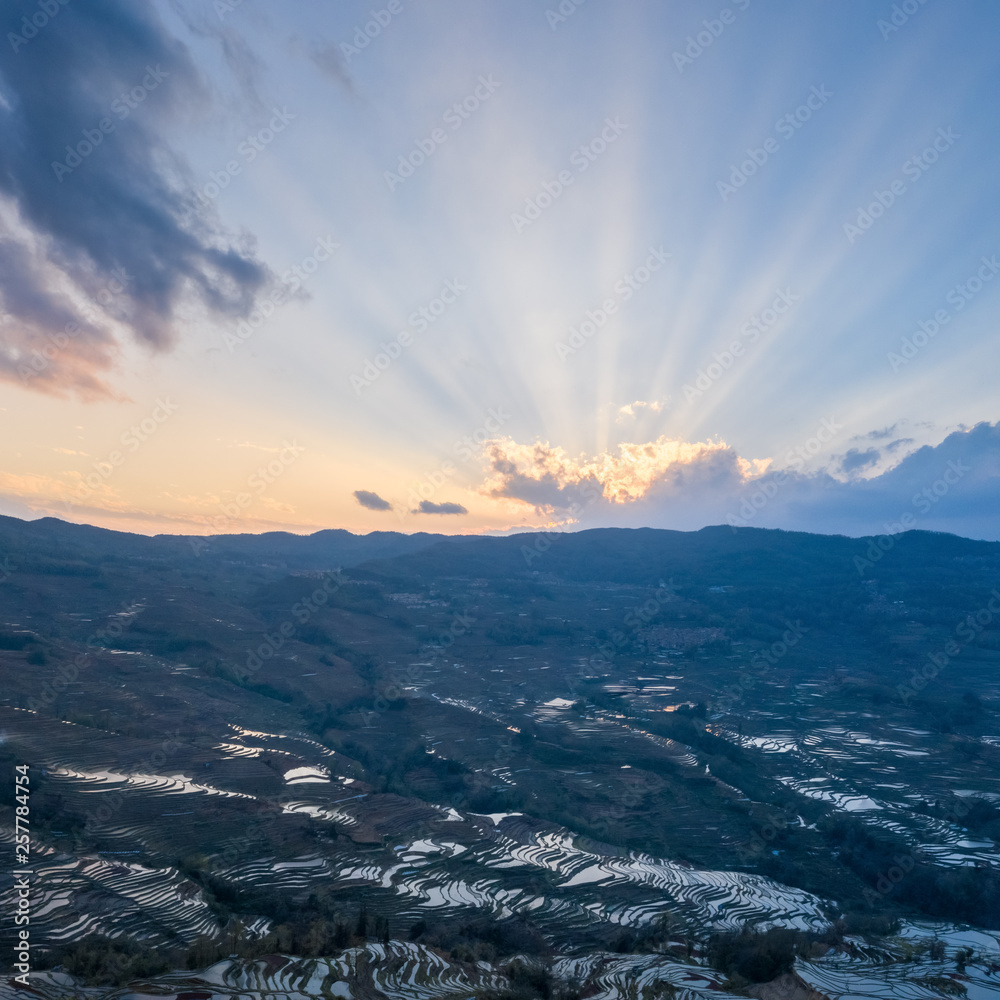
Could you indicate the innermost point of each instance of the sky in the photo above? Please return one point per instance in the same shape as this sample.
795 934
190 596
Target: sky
469 267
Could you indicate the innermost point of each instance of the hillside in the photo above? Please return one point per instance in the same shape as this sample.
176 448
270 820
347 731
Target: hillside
611 742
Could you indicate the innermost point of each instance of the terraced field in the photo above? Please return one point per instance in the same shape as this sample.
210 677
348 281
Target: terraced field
581 886
888 780
500 761
505 864
409 971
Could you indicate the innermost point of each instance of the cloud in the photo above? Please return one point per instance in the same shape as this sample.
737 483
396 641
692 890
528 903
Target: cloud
426 507
540 478
549 479
953 486
104 238
630 410
276 505
882 434
372 501
855 460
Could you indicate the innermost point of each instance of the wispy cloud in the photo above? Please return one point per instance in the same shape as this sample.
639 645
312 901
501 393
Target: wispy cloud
327 58
631 410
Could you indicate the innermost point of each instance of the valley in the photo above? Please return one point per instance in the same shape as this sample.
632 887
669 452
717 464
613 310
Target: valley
418 766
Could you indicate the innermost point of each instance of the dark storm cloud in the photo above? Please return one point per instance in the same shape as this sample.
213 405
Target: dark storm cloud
93 197
371 500
44 326
426 507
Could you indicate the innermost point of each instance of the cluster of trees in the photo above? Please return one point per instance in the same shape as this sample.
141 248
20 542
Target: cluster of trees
896 877
482 938
528 982
311 929
950 715
101 961
758 957
36 651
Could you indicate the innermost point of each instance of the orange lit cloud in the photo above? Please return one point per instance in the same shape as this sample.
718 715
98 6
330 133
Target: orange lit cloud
548 478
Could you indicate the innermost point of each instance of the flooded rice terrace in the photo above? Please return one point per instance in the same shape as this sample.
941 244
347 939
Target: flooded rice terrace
408 971
504 863
620 810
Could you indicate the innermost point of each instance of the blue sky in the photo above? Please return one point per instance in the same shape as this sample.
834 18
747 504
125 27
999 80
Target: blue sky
523 265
